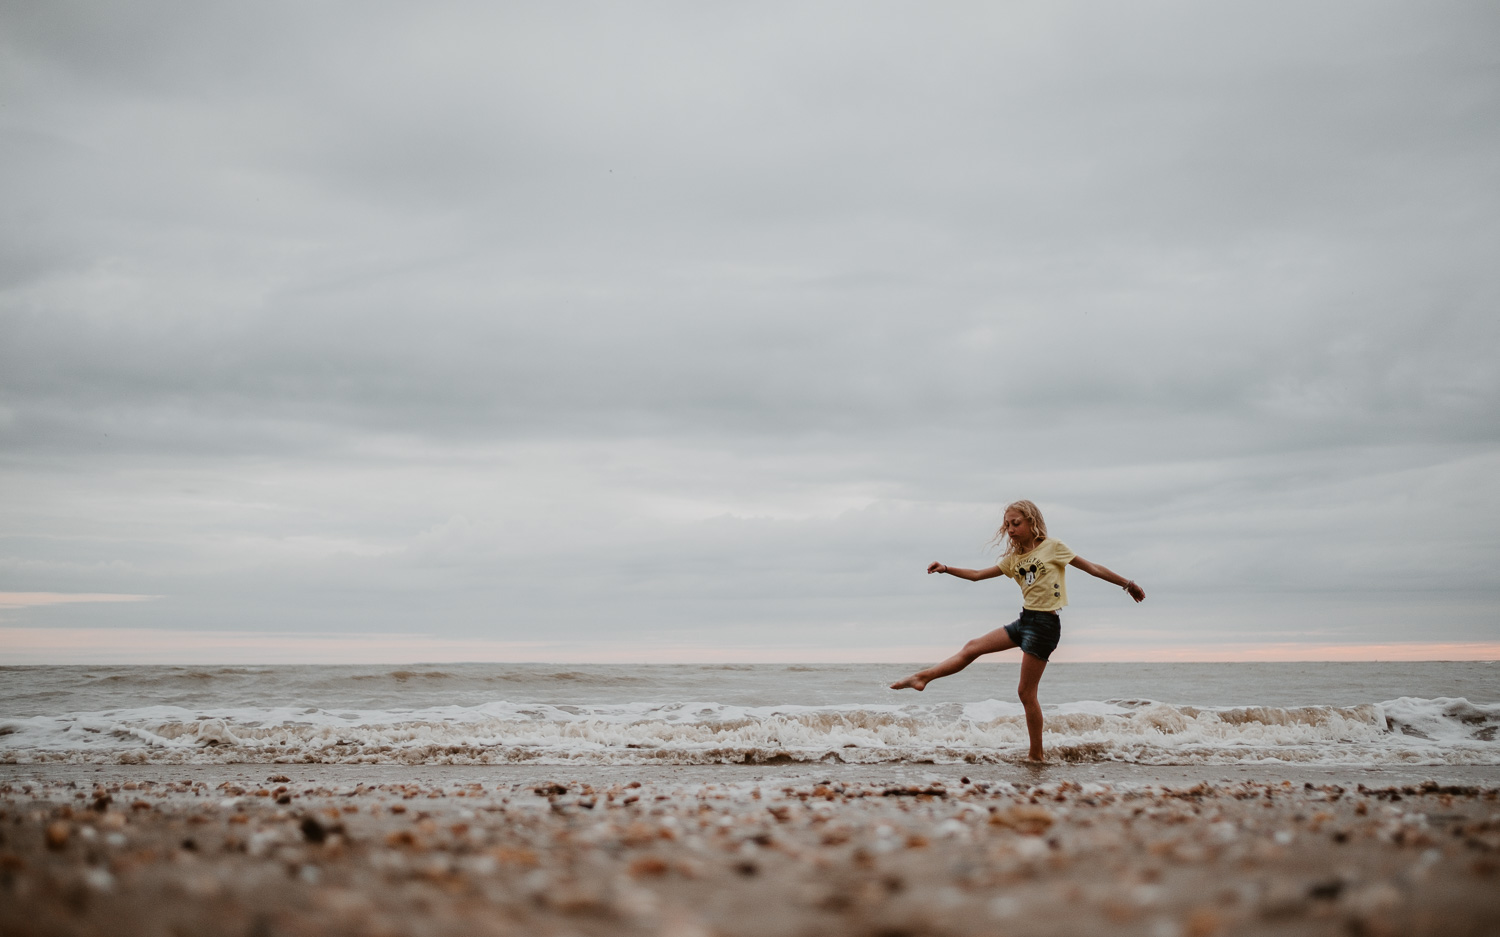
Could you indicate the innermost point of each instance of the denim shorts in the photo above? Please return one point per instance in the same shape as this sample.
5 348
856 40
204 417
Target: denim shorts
1036 633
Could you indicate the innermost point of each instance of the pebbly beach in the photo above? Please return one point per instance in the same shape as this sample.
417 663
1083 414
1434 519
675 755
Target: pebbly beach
268 849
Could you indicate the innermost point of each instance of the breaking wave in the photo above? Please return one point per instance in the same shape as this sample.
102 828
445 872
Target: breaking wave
1408 730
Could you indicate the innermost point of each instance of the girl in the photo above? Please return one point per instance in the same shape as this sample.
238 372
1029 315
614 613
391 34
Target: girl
1037 564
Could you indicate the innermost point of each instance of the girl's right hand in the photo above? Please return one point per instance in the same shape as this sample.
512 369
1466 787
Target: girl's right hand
936 568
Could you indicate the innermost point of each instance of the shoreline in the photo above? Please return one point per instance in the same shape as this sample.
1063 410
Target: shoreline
732 851
1119 774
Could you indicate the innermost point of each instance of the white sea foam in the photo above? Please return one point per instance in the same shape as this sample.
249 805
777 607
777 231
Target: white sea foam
1408 730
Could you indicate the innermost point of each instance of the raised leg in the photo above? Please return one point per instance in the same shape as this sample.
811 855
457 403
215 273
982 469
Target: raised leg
996 640
1031 676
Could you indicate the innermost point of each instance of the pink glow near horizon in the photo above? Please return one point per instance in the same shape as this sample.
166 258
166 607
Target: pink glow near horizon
36 599
158 646
1245 653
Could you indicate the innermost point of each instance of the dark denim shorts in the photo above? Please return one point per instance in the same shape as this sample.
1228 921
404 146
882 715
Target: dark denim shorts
1036 633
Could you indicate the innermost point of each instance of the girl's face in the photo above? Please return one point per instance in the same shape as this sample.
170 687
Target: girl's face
1018 527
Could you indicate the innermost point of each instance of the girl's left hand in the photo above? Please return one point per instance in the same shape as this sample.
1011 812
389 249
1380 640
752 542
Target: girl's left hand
1135 591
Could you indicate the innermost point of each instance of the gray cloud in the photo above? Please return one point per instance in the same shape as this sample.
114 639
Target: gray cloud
355 317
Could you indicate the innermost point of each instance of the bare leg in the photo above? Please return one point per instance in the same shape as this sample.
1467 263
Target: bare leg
996 640
1031 675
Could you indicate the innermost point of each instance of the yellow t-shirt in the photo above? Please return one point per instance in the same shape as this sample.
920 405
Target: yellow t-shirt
1040 574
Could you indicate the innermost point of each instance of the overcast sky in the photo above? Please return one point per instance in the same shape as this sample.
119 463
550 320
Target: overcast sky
672 331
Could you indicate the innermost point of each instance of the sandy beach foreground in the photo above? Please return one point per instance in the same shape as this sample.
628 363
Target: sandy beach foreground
283 849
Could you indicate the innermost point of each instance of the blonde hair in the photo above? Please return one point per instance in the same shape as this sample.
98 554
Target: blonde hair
1030 512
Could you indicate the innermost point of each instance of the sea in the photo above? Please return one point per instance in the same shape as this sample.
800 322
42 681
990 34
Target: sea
1355 714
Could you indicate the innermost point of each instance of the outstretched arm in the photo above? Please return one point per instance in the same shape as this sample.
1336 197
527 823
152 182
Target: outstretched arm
1109 575
973 575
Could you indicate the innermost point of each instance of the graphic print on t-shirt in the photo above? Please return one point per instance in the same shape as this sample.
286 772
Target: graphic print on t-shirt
1040 575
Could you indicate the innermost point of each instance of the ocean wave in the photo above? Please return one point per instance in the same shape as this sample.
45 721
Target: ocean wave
1408 730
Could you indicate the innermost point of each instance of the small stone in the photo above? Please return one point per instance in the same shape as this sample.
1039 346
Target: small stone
1203 922
1024 818
313 831
648 866
1325 891
524 858
57 835
99 879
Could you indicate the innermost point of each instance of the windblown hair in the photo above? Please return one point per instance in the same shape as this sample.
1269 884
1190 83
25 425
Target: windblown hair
1027 510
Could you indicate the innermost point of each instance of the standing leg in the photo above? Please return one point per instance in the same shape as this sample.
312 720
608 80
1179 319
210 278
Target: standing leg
996 640
1031 675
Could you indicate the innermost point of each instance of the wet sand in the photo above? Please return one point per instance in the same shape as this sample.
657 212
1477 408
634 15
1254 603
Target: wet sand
798 850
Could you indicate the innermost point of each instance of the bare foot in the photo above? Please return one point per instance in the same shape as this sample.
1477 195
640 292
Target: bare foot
912 682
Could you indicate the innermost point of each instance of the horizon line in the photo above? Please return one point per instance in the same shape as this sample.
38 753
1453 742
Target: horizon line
166 647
